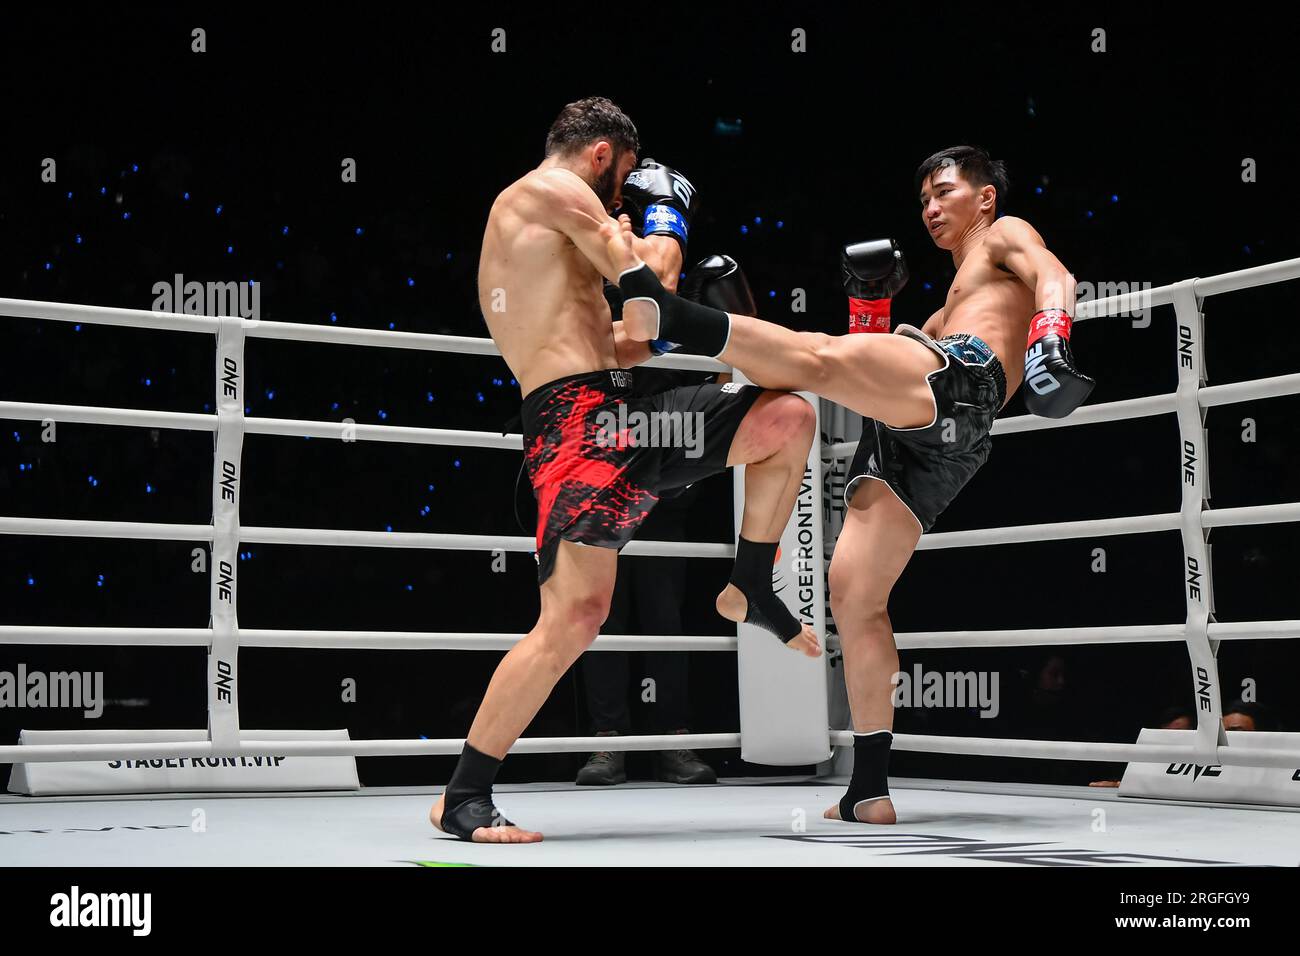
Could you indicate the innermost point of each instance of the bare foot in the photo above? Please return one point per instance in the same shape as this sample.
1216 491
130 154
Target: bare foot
877 811
509 834
732 605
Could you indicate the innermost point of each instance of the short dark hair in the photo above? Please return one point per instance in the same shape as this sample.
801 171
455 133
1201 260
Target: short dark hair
975 167
1261 715
588 119
1170 714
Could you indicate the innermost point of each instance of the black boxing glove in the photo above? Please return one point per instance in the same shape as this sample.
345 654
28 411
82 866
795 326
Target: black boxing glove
660 201
720 282
1054 387
874 272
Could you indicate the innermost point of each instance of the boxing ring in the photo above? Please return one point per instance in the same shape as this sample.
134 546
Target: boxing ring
760 821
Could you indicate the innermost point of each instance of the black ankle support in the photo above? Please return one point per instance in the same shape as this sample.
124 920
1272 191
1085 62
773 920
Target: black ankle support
752 575
690 327
467 804
870 779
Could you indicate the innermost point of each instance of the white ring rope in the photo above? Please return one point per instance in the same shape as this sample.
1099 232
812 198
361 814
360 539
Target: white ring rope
1184 295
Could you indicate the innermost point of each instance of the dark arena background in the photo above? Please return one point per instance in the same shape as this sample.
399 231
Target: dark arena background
1167 155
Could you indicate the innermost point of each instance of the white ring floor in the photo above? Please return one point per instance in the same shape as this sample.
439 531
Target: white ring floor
758 821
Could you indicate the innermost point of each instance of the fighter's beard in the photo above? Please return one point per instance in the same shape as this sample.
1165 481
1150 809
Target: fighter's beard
604 186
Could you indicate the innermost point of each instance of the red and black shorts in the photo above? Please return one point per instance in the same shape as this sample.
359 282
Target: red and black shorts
599 455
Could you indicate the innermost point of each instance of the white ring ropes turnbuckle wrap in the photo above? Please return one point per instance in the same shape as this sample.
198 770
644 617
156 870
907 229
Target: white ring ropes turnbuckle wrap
1200 632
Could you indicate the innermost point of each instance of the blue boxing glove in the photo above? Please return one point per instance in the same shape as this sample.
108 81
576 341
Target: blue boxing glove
660 201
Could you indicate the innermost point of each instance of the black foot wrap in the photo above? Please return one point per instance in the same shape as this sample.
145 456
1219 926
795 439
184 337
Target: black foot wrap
752 575
468 815
870 779
685 325
467 804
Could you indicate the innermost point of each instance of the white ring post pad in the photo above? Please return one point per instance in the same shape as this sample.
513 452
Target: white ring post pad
223 655
784 704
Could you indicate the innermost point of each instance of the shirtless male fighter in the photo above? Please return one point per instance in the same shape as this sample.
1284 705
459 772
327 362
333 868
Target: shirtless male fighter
928 398
540 289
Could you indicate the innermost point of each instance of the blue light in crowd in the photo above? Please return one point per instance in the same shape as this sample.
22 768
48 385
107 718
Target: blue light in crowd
1246 250
409 282
31 582
270 394
449 257
126 215
229 249
99 583
69 193
49 266
148 382
771 293
94 482
103 190
513 382
410 588
456 463
284 231
135 168
780 224
1114 197
388 527
334 317
1038 190
1088 214
185 196
17 437
383 414
925 286
148 489
424 510
334 407
359 230
78 240
219 208
392 325
207 407
77 327
22 467
744 230
432 488
758 220
479 396
428 396
248 410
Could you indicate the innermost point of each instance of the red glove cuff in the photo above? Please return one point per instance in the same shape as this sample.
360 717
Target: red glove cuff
869 315
1049 322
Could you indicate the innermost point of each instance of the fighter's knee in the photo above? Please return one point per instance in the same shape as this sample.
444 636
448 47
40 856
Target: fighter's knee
797 418
854 601
586 613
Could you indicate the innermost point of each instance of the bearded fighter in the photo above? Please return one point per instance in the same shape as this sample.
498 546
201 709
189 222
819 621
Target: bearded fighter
928 398
540 289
